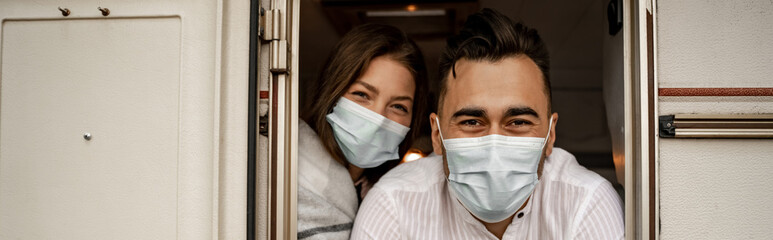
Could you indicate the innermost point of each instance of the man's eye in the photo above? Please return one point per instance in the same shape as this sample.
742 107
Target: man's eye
521 123
471 122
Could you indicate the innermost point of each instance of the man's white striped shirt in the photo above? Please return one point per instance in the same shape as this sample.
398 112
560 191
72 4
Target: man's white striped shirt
413 201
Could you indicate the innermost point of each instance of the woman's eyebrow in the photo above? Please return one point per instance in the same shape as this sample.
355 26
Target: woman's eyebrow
399 98
368 86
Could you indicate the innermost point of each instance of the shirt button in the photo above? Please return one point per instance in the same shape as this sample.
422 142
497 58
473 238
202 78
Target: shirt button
520 214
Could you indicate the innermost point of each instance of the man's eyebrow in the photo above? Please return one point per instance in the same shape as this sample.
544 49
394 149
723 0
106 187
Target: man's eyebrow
515 111
368 86
469 111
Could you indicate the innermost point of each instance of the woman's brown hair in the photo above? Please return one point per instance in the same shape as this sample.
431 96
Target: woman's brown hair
346 63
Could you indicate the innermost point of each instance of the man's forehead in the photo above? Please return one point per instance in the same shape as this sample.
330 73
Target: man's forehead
512 81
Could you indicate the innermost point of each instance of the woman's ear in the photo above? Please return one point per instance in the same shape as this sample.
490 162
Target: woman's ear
549 145
437 145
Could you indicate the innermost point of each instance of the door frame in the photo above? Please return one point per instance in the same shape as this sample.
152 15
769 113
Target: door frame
640 101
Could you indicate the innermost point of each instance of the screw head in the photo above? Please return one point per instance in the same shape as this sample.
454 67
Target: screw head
65 11
104 11
87 136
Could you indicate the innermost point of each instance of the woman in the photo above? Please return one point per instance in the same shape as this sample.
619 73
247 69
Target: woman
368 110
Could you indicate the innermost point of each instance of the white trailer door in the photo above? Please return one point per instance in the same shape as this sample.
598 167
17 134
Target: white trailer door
111 124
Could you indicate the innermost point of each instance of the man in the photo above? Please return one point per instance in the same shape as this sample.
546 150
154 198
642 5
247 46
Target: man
495 174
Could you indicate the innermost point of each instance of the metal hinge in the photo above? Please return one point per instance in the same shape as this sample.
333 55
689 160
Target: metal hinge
667 128
756 126
263 125
272 28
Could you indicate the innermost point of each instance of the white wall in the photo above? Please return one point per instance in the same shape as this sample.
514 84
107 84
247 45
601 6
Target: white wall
162 87
232 140
711 188
715 43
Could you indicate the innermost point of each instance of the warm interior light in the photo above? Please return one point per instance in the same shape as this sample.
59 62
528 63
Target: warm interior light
411 8
412 155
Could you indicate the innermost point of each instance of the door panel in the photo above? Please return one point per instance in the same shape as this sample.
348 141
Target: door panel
116 79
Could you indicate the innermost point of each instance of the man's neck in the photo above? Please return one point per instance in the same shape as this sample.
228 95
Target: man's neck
499 228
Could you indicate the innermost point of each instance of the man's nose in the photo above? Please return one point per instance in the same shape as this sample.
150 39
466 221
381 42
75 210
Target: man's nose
495 128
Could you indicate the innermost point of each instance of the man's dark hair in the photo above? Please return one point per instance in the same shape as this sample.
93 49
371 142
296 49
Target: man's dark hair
490 36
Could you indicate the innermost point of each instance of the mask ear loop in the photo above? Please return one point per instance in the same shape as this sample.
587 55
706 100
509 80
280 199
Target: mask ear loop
442 141
547 138
437 122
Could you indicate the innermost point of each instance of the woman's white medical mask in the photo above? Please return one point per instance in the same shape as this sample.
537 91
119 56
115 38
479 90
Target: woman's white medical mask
366 138
493 175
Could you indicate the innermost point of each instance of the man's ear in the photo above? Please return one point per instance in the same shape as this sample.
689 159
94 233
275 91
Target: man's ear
549 144
437 145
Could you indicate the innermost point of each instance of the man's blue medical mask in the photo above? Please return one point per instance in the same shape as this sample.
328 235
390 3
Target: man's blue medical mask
493 175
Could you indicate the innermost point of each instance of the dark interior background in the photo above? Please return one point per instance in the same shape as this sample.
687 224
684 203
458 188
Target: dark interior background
572 29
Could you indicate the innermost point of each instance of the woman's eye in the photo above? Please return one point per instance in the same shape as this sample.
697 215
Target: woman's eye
400 107
360 94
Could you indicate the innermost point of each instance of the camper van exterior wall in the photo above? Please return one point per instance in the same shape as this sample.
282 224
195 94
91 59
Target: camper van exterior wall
135 123
715 188
160 87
